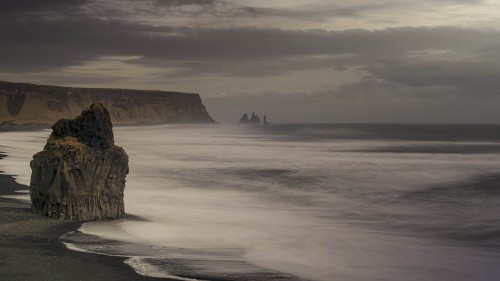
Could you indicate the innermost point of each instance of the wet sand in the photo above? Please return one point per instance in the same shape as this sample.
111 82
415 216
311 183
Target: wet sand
30 248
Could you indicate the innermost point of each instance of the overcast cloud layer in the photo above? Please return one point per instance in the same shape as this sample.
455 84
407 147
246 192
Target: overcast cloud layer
294 60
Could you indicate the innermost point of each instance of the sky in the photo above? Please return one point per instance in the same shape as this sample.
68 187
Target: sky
322 61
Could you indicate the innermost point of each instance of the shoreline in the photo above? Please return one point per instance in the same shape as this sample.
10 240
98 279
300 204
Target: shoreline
30 248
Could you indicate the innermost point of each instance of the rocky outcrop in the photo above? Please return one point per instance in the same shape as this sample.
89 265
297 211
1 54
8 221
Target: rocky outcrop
244 119
80 173
255 119
22 103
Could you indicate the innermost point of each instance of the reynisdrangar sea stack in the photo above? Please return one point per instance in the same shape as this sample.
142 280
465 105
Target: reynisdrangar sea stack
80 173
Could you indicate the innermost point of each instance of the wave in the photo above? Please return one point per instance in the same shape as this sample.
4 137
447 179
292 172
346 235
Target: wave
487 186
294 202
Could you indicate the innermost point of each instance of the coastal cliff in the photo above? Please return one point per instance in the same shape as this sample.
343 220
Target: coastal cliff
80 173
23 104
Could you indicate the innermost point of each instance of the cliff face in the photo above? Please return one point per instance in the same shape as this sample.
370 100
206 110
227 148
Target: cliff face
22 103
80 173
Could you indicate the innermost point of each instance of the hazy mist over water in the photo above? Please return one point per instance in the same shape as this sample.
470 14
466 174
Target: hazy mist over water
300 201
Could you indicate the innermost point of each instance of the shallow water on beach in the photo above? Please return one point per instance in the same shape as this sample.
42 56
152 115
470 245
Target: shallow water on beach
300 202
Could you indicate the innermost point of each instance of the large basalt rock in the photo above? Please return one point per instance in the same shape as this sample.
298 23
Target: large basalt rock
80 173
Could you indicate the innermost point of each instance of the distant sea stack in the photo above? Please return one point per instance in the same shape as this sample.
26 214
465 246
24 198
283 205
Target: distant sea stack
23 104
80 173
255 119
265 120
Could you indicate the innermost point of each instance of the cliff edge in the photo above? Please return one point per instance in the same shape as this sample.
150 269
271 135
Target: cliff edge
80 173
23 104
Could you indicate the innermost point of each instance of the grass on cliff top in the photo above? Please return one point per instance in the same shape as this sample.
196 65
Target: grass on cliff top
68 142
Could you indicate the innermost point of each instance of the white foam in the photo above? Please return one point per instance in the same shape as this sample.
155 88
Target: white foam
139 264
73 247
144 268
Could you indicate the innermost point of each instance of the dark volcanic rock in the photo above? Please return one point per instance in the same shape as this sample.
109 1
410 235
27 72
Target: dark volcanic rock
255 119
244 119
93 127
80 174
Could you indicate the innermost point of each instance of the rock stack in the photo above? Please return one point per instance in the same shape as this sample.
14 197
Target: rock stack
80 173
255 119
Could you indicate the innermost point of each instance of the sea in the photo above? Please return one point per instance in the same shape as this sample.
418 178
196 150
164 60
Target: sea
320 202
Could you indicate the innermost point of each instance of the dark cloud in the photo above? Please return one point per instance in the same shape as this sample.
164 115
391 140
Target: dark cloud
26 6
321 10
37 42
183 2
29 6
318 14
38 45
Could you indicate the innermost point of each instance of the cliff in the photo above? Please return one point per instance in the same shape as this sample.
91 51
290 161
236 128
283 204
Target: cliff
22 104
80 173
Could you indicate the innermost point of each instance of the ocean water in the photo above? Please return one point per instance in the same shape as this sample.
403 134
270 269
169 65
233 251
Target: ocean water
299 201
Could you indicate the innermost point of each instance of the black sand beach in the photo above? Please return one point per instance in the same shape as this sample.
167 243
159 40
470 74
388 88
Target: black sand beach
30 249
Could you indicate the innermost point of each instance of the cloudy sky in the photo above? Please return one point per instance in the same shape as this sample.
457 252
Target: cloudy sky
295 60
